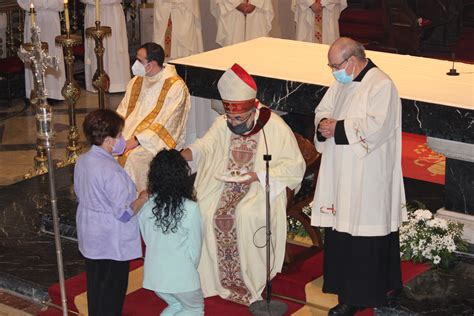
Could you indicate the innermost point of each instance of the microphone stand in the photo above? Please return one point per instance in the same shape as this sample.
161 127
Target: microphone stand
267 306
452 71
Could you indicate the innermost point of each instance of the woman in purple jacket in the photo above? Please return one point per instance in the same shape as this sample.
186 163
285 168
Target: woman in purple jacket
107 229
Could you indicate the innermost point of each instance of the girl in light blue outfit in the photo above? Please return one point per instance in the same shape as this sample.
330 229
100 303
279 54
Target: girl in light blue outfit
171 226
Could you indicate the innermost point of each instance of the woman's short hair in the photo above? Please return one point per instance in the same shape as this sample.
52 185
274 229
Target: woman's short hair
100 124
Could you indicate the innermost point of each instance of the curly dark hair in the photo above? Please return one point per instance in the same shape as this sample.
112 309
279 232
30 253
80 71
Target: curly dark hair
170 183
102 123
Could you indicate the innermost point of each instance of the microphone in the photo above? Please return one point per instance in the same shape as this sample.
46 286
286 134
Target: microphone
452 71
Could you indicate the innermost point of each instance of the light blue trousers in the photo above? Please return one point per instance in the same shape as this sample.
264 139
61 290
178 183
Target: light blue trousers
183 304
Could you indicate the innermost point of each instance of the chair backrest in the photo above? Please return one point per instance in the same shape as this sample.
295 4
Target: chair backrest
310 154
312 159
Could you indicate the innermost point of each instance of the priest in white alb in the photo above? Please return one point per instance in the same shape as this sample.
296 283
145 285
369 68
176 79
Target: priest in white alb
230 187
241 20
360 197
317 21
47 19
116 57
177 27
155 107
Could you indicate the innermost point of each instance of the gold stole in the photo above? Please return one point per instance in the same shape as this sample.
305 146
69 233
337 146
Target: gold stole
147 122
242 154
318 27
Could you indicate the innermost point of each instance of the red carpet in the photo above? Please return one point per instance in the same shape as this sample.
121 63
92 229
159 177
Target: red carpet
291 283
420 162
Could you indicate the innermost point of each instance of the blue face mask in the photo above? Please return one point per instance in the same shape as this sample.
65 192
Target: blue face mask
342 76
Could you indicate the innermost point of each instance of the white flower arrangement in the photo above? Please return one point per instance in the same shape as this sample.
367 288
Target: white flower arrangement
427 239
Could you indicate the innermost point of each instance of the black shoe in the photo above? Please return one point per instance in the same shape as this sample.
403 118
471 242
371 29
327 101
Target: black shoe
343 310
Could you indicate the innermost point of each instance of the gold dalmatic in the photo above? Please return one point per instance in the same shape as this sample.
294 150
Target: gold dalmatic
241 158
147 122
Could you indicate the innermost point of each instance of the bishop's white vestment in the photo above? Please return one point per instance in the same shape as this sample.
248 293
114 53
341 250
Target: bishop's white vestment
116 57
155 111
360 187
234 27
305 20
241 266
47 19
186 35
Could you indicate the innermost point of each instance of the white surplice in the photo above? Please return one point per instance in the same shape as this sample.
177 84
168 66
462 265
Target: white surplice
116 57
186 35
47 19
287 166
305 19
172 117
361 182
234 27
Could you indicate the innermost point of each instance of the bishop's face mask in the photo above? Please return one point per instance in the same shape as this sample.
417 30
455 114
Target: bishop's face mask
240 128
138 69
119 146
342 76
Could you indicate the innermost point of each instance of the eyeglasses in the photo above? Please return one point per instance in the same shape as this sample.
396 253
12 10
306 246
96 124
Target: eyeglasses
338 66
238 118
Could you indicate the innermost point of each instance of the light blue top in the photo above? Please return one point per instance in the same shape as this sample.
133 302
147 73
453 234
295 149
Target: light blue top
171 259
106 227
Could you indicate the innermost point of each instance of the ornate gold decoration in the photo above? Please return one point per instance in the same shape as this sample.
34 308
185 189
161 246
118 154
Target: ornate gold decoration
71 93
435 163
100 80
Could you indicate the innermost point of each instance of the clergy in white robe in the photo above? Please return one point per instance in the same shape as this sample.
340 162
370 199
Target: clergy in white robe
360 197
230 187
234 25
155 107
47 19
321 26
116 57
186 35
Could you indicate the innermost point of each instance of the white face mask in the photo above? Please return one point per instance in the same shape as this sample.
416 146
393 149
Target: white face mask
138 69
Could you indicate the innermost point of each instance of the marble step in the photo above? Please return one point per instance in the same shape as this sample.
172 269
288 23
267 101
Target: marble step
318 303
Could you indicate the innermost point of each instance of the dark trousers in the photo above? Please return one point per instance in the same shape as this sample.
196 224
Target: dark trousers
107 282
361 270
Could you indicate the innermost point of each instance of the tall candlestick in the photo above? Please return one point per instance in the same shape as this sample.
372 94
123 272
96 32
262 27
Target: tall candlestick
97 10
32 14
66 16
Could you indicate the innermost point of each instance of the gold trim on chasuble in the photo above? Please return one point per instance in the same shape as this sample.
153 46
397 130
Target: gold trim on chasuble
159 129
318 27
242 154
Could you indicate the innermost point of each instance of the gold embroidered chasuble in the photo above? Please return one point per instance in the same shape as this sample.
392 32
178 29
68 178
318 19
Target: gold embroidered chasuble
236 270
155 110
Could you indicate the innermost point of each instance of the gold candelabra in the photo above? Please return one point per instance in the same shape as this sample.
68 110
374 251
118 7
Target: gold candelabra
41 159
100 80
71 93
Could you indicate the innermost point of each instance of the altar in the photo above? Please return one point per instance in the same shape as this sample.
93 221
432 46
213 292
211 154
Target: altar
293 76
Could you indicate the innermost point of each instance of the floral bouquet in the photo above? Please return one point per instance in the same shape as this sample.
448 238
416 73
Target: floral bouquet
427 239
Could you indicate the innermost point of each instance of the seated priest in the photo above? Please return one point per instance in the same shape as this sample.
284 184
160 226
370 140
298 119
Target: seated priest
360 197
230 188
155 107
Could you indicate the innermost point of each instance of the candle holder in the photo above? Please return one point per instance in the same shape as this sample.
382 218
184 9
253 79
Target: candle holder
41 159
100 80
71 93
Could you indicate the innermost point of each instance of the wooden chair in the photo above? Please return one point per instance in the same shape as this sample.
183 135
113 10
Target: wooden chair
296 202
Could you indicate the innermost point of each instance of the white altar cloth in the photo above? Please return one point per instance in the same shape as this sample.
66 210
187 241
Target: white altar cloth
417 78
